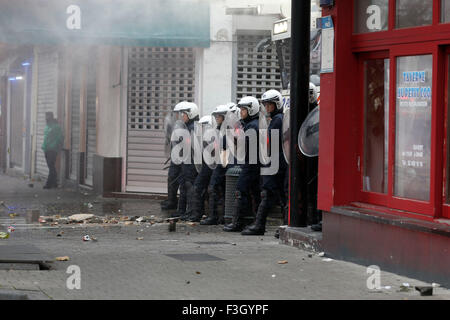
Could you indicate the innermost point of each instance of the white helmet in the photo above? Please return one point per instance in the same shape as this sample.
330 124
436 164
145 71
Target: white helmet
180 105
251 104
273 96
190 109
233 107
312 93
221 110
206 120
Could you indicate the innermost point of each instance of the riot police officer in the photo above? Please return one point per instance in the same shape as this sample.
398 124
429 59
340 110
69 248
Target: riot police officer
216 188
189 114
314 215
272 185
201 181
174 175
248 181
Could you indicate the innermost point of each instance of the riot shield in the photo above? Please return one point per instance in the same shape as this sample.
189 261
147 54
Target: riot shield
233 126
308 136
169 123
179 128
263 138
286 133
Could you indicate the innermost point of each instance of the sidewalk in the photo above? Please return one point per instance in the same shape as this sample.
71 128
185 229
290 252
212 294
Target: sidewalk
194 262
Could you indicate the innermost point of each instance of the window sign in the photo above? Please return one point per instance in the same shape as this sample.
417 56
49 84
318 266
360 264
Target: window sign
370 15
376 126
445 11
413 127
414 13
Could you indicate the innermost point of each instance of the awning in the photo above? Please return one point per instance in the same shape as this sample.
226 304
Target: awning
152 23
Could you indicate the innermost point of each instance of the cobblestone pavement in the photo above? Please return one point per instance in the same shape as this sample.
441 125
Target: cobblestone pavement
137 261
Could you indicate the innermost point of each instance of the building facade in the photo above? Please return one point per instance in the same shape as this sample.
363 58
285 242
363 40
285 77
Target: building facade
384 153
111 81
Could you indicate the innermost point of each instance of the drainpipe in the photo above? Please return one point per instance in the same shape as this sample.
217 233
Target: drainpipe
300 38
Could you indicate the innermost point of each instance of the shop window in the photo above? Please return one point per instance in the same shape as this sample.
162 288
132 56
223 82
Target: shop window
445 11
376 125
371 15
413 127
414 13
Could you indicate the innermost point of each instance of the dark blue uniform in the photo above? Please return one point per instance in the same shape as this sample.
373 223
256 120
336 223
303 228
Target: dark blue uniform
247 188
272 187
216 191
189 174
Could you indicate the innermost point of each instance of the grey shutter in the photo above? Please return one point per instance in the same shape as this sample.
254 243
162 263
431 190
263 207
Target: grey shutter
256 72
47 92
75 122
91 137
158 78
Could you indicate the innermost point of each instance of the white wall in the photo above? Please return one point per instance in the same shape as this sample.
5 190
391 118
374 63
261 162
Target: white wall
214 65
109 101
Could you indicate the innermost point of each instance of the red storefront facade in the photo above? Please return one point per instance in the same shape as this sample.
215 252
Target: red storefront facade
384 163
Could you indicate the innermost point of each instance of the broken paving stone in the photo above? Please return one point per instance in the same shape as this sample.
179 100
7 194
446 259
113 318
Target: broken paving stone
282 262
81 217
65 258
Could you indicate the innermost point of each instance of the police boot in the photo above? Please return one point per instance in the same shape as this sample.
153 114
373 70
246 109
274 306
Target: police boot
259 227
237 223
197 207
212 218
189 201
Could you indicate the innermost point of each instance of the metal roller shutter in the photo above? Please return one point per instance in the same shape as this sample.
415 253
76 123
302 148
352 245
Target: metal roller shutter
158 78
75 122
91 137
17 124
47 92
256 72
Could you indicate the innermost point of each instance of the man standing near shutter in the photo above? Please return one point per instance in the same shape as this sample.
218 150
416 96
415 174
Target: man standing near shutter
53 141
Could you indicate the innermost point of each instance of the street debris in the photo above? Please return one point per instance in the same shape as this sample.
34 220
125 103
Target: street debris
198 272
4 235
282 262
322 254
13 215
65 258
140 238
60 234
86 238
327 260
11 229
192 224
274 275
435 285
425 291
310 255
81 217
188 282
405 287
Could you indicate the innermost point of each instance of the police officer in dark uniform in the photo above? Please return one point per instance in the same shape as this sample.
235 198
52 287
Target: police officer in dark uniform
248 181
189 113
315 216
216 188
173 177
272 188
202 181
